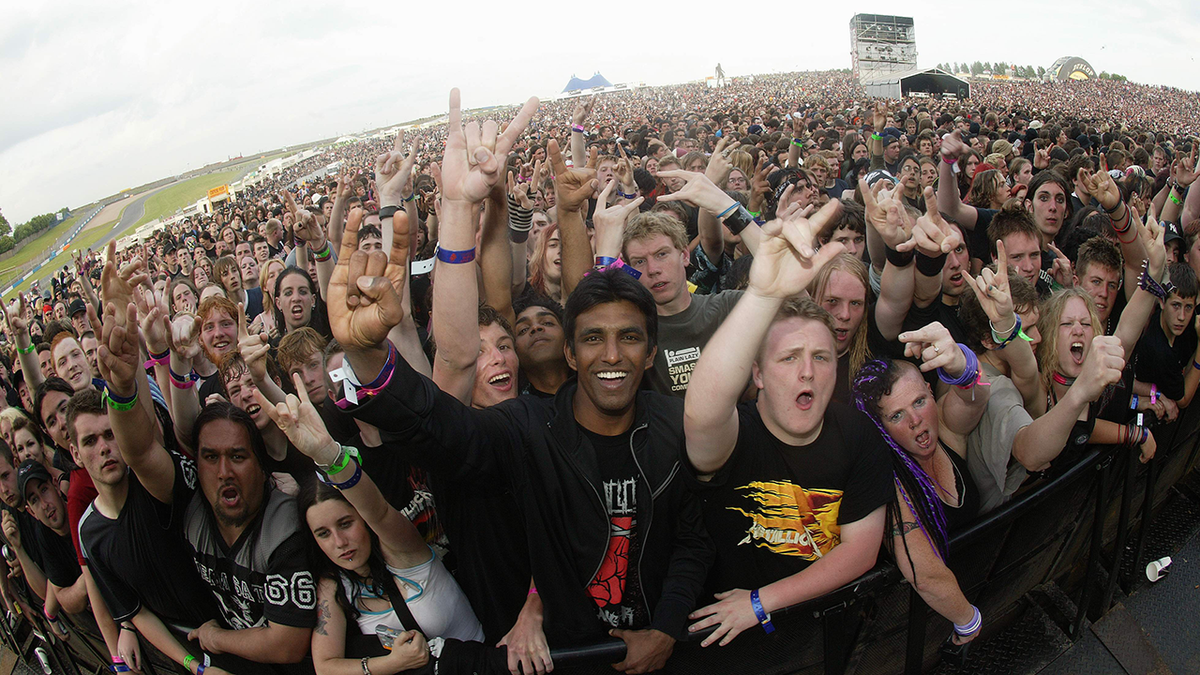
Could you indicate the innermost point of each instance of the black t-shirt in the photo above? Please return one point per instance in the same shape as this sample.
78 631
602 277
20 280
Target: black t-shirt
977 239
1162 363
295 463
615 588
266 575
58 555
774 509
947 315
141 557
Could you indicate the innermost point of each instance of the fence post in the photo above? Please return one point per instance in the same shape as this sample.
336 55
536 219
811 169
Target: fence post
1114 572
833 624
914 655
1085 594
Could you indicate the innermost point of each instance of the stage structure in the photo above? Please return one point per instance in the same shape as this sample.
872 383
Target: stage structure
882 45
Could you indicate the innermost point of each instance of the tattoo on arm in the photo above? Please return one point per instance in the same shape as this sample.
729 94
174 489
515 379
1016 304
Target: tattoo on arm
904 528
322 617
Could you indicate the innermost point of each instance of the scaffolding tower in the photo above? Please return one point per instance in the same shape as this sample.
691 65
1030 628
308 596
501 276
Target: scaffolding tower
881 44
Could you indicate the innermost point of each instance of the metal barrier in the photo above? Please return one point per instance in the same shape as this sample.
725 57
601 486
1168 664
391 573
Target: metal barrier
1055 531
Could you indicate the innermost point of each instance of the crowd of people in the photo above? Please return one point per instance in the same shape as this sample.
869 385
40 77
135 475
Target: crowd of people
643 365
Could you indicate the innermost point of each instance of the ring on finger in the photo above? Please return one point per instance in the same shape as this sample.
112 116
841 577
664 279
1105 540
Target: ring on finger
936 349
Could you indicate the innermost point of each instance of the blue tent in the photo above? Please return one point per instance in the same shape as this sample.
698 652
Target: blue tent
596 80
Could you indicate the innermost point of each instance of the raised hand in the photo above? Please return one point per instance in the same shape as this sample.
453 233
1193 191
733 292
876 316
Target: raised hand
719 165
787 259
759 186
185 336
1183 170
573 186
879 116
253 347
117 286
610 221
993 293
698 190
885 214
475 156
624 170
583 108
393 172
1102 188
1153 238
308 229
1041 156
936 349
363 302
1061 268
156 327
1103 366
932 235
118 355
519 192
302 424
953 146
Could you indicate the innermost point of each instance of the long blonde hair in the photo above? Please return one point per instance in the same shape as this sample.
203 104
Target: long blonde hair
860 351
1051 314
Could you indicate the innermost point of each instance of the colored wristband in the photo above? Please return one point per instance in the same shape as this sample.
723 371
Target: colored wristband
1196 365
352 481
930 267
877 136
1133 402
603 261
971 626
118 402
970 374
27 350
455 257
532 591
1174 199
1153 394
324 254
764 619
579 128
949 160
999 338
731 209
799 143
388 212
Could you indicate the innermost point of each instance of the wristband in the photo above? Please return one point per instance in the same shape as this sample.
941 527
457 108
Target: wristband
324 254
1196 365
118 667
930 267
455 257
1153 394
972 625
388 211
119 403
755 214
876 136
970 374
949 160
409 198
799 143
616 264
355 389
345 454
351 482
622 195
731 209
764 619
49 617
739 220
997 336
532 591
1174 199
366 669
163 359
123 627
603 261
1113 209
1133 402
898 259
187 661
579 128
27 350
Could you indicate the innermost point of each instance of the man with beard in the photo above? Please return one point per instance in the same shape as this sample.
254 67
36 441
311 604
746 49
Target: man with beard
245 536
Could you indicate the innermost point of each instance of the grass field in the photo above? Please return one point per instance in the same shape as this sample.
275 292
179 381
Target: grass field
38 246
166 201
85 239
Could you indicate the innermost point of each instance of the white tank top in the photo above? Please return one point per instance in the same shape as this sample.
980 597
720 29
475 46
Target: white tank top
433 597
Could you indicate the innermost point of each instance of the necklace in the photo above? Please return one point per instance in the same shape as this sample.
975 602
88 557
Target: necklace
1065 381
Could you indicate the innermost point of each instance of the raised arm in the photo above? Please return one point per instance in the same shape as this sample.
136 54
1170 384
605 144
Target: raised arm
255 349
121 367
948 200
495 254
995 298
184 401
337 217
887 224
18 331
394 180
963 406
1141 305
784 265
1037 444
403 545
583 108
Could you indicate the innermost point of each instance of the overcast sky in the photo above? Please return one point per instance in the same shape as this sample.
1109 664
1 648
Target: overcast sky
104 96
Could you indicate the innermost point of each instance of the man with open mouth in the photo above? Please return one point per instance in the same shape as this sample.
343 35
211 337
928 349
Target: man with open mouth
795 484
244 535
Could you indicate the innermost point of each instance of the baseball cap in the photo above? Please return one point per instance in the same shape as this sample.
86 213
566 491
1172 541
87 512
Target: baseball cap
1171 232
30 469
878 175
77 306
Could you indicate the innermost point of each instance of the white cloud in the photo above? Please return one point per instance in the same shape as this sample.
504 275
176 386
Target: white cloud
115 94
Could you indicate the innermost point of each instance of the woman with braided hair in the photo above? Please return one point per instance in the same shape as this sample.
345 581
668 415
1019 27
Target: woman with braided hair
934 490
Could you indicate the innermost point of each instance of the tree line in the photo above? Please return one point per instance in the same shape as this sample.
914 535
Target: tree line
9 237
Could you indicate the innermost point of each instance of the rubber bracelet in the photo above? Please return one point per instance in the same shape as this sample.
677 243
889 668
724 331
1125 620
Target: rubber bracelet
764 619
972 625
352 481
456 257
388 212
324 253
731 209
1021 334
897 258
27 350
970 374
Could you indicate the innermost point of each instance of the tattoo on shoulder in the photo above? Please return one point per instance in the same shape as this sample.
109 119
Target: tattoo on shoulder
322 617
904 528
